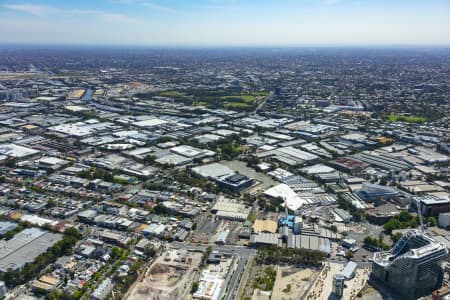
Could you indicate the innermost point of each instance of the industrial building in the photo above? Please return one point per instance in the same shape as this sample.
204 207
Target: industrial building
349 270
213 170
342 215
310 242
290 156
224 177
444 220
382 160
17 151
6 226
431 205
412 267
283 191
234 182
375 192
262 239
24 247
226 209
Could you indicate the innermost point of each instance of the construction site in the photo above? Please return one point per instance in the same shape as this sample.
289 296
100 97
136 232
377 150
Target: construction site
169 277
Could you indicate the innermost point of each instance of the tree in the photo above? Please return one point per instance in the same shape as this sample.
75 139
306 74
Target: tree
51 203
11 163
150 250
116 252
288 288
206 255
194 287
395 237
333 228
377 243
349 255
383 181
432 221
251 217
149 159
72 231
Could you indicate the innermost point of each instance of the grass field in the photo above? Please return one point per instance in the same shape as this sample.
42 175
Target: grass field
216 98
245 98
264 94
199 103
175 94
237 105
409 119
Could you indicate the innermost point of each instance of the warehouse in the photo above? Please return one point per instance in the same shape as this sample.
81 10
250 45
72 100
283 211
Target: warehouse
149 123
191 152
7 226
431 205
349 270
383 161
213 170
262 239
234 182
309 242
232 216
283 191
342 215
16 151
226 209
289 155
297 154
24 247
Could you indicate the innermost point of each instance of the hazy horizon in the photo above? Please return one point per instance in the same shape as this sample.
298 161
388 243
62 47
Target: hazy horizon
226 23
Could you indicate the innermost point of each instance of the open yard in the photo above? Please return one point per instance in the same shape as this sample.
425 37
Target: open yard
291 283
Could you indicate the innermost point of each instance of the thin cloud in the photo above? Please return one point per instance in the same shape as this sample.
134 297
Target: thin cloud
161 8
35 10
44 11
152 6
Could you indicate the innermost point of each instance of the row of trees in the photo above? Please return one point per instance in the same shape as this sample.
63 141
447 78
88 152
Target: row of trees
270 204
406 220
96 173
189 178
31 270
273 255
376 243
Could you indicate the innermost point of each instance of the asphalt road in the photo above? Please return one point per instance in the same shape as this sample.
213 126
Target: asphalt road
233 280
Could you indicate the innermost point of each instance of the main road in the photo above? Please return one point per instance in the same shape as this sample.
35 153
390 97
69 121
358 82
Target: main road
242 254
260 105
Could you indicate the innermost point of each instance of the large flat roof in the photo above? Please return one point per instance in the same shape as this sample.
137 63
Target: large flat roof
24 247
17 151
149 122
292 200
213 170
349 269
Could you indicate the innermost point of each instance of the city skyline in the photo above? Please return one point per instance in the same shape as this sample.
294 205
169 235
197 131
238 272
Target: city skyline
226 22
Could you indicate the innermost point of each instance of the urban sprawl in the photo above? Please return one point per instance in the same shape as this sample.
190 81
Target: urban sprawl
224 174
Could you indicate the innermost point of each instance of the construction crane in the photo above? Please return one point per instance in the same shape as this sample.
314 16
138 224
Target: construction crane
419 211
286 208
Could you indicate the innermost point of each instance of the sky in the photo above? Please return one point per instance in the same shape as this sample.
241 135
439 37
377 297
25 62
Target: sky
225 22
